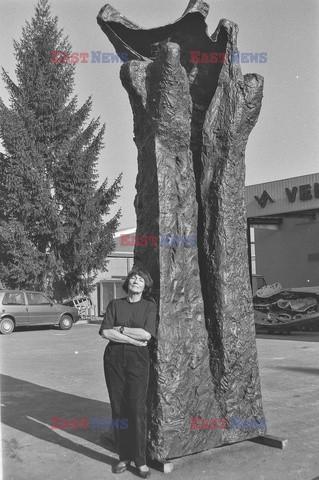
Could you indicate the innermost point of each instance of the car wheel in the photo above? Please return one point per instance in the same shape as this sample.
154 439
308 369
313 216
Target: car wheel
66 322
6 326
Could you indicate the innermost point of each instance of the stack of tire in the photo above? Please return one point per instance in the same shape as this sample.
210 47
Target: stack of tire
277 309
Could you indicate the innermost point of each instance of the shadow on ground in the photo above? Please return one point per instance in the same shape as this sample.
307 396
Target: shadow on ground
293 336
29 408
305 370
35 328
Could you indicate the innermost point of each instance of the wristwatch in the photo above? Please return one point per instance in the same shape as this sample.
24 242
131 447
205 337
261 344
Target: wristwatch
121 330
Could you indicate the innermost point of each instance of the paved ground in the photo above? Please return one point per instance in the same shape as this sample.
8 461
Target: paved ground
49 373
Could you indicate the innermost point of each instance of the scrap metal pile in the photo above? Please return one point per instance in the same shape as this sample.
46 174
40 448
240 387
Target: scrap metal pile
279 309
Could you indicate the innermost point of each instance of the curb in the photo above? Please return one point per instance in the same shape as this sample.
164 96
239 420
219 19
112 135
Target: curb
88 321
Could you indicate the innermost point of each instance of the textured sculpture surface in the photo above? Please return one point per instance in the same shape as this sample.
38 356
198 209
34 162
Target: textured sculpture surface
191 125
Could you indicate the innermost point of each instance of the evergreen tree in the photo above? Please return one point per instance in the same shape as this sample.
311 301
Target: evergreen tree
53 232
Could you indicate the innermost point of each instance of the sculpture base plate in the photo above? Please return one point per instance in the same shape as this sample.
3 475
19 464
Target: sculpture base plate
271 441
165 466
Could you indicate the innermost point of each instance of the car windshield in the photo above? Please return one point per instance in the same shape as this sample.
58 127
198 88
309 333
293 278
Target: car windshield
35 298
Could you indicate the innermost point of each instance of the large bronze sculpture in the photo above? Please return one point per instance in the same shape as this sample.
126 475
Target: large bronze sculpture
191 125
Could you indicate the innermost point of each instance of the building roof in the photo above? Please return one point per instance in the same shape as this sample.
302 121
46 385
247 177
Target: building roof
294 194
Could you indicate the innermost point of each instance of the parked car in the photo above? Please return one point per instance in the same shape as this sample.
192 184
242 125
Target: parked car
20 308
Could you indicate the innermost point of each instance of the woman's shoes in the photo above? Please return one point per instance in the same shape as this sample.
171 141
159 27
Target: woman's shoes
122 466
143 473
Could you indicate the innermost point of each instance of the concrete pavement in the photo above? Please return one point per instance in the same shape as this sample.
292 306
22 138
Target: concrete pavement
51 373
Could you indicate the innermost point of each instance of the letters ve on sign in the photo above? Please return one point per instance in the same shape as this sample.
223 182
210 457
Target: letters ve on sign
306 192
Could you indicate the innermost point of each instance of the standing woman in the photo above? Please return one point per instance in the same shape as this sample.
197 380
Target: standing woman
129 323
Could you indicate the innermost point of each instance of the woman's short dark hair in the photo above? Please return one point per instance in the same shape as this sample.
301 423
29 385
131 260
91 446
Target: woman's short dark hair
142 272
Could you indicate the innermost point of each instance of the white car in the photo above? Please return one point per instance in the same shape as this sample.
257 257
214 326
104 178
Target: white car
20 308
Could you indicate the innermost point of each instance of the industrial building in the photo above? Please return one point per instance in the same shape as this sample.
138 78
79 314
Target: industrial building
283 217
283 238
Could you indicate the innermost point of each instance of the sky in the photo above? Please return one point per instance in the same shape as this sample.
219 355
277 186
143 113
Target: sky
285 141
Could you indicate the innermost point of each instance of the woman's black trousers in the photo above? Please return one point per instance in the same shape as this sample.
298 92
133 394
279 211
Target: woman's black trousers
126 369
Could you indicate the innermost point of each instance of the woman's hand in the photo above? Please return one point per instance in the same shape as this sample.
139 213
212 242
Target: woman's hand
138 343
115 336
116 328
134 333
